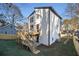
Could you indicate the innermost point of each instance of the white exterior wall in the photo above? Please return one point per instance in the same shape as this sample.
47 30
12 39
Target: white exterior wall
44 27
37 21
32 23
52 24
44 23
59 21
54 30
58 28
8 29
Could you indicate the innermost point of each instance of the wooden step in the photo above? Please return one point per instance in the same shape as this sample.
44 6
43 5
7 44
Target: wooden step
31 44
36 52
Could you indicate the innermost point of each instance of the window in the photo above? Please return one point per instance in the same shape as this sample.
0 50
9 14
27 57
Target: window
38 16
10 26
31 19
31 27
38 11
5 32
37 27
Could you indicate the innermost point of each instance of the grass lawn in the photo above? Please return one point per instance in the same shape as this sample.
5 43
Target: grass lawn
10 48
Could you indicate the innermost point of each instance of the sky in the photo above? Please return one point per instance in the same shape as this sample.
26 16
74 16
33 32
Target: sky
28 8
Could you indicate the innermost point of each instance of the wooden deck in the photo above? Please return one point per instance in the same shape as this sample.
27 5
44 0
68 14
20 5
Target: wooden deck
27 40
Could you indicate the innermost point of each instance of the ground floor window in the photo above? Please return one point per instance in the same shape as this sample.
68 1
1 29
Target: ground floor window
37 27
5 32
31 27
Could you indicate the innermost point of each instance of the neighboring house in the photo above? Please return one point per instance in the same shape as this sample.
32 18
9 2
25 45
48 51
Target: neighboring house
7 28
46 21
65 27
2 22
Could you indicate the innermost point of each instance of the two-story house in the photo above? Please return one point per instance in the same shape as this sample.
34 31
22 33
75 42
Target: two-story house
46 21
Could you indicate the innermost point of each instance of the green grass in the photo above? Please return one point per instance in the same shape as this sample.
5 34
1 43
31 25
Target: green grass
59 49
11 48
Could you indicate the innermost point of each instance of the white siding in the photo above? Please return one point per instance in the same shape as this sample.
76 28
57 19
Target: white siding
37 20
31 23
55 31
44 23
44 27
52 21
54 27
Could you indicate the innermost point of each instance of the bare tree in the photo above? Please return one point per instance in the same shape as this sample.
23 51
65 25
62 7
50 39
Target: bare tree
12 12
72 11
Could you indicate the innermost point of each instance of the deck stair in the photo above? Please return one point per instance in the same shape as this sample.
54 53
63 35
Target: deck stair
27 40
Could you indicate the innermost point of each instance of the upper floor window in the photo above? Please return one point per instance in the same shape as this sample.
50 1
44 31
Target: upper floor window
31 19
37 16
38 11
